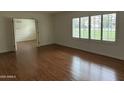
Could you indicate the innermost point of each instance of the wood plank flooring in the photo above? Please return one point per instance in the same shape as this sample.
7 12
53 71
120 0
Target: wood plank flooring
58 63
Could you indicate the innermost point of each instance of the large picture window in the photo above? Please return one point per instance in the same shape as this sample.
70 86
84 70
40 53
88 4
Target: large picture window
75 32
109 27
84 27
95 27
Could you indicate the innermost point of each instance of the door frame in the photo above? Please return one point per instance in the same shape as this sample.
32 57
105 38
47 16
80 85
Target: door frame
36 27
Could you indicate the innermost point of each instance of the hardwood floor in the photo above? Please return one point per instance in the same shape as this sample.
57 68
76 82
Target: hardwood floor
54 62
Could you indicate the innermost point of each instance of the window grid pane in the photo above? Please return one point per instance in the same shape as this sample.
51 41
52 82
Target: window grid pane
75 27
96 27
109 27
84 25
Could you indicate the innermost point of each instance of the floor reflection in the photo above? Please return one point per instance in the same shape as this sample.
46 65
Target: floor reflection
85 70
26 56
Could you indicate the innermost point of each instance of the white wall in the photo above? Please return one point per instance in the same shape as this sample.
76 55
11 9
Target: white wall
24 29
63 29
45 28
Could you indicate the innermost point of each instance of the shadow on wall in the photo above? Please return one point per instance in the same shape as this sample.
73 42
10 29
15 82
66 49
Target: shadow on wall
6 34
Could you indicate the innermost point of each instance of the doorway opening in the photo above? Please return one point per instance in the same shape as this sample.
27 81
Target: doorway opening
25 33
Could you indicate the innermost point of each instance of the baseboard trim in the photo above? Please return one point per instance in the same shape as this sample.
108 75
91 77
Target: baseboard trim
88 52
6 51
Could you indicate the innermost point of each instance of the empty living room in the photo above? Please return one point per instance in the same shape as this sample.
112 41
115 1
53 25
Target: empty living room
61 46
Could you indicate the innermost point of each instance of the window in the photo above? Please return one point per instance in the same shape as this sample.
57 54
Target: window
75 25
109 27
84 27
98 27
